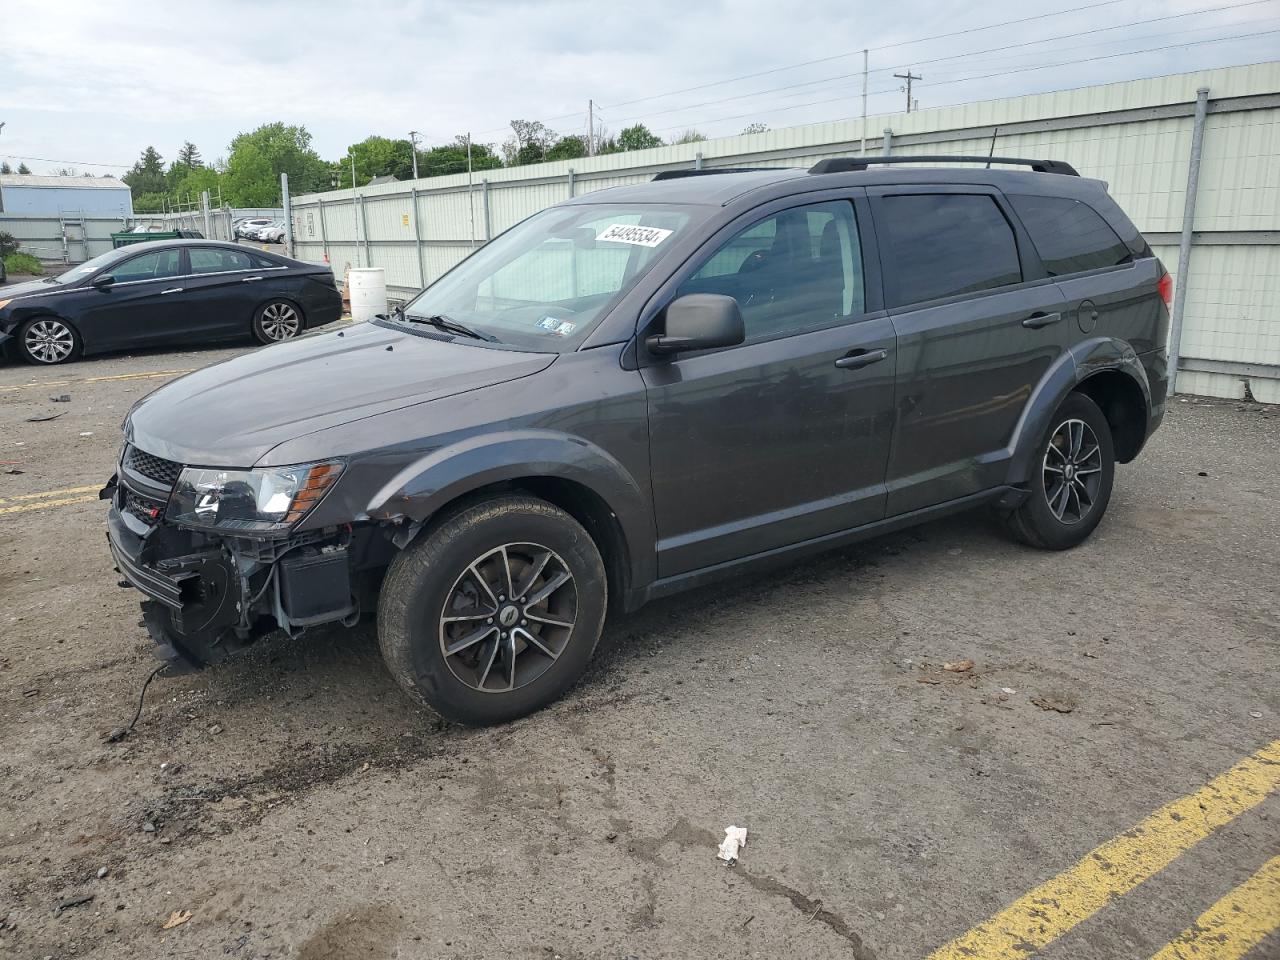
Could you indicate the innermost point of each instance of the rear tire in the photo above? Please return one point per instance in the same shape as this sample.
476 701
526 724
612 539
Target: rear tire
277 321
495 612
48 340
1071 481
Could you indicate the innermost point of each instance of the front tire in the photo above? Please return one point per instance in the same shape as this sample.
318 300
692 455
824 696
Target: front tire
48 340
277 321
496 612
1072 478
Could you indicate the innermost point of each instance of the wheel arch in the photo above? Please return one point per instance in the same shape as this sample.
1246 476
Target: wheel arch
37 313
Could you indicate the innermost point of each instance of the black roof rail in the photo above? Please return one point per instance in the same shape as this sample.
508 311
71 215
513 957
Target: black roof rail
852 164
681 174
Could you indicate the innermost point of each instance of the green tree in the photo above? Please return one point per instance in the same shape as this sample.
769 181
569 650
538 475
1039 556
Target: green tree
23 168
690 136
147 174
4 167
568 148
756 127
189 156
257 158
638 137
194 181
529 143
377 157
452 158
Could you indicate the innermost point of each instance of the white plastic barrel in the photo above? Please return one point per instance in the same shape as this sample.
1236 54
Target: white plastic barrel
368 289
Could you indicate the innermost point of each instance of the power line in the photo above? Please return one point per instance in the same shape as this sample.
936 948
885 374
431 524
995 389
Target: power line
961 56
74 163
1043 66
886 46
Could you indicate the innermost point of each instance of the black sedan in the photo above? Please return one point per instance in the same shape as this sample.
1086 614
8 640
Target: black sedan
167 291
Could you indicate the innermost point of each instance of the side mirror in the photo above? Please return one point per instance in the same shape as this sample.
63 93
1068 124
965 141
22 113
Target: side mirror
103 281
699 321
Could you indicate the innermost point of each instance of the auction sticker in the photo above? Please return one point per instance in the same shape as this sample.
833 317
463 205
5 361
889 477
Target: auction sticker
629 233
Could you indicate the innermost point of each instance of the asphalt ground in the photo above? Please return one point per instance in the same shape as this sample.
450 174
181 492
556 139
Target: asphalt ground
1101 783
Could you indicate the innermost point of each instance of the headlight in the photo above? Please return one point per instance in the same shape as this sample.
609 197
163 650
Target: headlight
264 500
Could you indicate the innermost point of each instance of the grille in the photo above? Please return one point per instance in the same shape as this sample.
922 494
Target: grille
144 508
153 468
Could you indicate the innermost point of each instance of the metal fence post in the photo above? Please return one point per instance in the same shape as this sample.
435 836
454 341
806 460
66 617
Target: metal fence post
204 205
417 236
488 230
364 224
1184 242
888 141
697 160
288 213
324 233
571 185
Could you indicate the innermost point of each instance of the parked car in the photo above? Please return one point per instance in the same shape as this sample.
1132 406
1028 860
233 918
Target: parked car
4 273
643 390
249 228
272 233
165 291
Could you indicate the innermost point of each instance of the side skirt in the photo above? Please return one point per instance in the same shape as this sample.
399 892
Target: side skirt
1003 497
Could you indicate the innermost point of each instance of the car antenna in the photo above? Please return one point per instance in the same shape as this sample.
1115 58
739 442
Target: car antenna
992 152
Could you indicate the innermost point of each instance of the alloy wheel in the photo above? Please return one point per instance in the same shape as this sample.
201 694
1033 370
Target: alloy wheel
1072 471
280 321
508 617
49 341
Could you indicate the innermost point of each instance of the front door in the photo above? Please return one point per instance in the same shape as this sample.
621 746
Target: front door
140 307
783 438
978 326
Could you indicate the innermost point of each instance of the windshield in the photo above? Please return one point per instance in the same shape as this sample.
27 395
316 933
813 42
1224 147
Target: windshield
89 267
545 283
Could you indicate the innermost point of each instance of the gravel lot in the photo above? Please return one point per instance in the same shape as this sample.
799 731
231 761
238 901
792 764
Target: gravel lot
297 804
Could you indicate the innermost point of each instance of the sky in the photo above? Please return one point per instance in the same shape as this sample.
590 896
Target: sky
92 86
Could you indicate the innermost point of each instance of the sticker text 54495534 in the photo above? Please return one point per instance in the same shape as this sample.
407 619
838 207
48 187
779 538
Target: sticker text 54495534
629 233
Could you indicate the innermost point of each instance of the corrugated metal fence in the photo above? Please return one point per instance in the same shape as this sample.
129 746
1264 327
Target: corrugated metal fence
1136 135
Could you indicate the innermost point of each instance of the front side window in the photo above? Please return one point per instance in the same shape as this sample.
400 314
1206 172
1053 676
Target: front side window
545 283
797 270
1069 235
941 245
215 260
149 266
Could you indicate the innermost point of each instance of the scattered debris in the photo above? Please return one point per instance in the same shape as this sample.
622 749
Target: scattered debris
1256 714
1202 473
215 728
15 472
176 919
43 418
148 827
87 433
116 735
1060 702
958 666
1009 690
31 692
61 398
734 838
102 872
70 902
364 767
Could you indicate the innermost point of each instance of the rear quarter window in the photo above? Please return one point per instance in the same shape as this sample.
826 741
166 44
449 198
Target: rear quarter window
1069 235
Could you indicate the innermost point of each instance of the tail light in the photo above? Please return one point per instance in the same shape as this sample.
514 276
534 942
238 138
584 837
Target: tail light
1165 286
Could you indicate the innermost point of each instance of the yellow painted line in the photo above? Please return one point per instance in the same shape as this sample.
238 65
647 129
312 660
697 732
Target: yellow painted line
1235 924
53 493
45 504
1037 919
119 376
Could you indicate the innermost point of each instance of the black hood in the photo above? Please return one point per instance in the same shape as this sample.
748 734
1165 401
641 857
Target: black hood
233 413
28 287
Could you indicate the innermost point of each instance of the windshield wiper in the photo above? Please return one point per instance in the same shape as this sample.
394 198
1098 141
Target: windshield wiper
447 324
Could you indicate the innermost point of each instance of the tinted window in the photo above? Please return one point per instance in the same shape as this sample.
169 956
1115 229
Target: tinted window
1069 235
799 269
213 260
940 245
149 266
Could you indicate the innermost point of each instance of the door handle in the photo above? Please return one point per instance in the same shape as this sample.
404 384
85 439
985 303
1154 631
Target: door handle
171 290
857 359
249 279
1038 320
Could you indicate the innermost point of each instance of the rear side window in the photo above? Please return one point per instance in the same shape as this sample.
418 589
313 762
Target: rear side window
217 260
1070 235
941 245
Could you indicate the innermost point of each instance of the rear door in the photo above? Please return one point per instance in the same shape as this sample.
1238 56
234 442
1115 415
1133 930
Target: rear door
978 325
229 285
783 438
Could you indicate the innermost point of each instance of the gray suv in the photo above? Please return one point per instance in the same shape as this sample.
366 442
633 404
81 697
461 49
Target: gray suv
643 390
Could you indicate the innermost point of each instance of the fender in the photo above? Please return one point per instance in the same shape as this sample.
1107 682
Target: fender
442 475
1073 367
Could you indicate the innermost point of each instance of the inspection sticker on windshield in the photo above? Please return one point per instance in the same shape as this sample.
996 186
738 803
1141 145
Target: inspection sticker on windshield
629 233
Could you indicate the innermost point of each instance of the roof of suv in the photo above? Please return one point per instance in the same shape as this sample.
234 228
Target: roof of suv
719 188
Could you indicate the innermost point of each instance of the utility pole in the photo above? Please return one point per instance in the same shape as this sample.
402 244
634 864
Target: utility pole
863 150
413 149
471 205
591 128
908 76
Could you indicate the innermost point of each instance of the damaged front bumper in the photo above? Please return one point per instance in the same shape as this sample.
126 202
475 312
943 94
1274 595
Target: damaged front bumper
210 596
